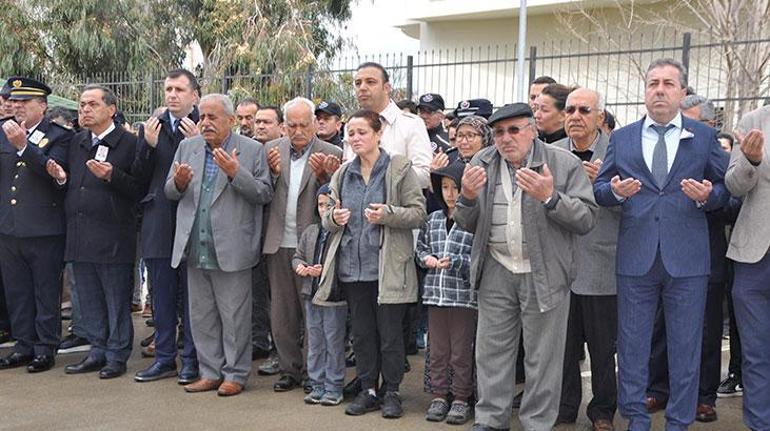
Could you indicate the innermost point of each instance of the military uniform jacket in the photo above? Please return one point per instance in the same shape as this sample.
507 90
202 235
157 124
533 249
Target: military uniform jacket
101 215
151 167
31 205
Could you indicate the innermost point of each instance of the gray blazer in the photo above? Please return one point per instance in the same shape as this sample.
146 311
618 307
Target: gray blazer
236 210
750 239
306 204
597 250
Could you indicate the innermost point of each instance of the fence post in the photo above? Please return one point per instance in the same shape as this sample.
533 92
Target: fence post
309 82
409 72
532 63
686 42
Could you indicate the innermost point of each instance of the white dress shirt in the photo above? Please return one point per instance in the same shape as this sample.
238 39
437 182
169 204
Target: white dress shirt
650 139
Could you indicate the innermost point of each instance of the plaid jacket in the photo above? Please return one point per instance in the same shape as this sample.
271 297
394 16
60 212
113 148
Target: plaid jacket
446 287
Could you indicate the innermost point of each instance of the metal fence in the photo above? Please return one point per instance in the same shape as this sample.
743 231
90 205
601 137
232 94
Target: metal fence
613 67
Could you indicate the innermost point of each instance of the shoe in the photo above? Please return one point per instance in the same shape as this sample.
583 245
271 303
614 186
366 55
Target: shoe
352 389
203 385
307 387
480 427
437 410
87 365
365 402
705 413
350 361
654 405
517 400
459 413
147 311
285 383
146 341
188 374
565 420
73 344
603 425
229 388
270 367
66 314
150 322
391 406
5 336
407 366
135 308
15 360
730 387
41 363
257 353
156 371
149 351
112 369
314 397
331 398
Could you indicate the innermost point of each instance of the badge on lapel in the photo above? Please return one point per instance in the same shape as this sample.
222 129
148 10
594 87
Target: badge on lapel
43 142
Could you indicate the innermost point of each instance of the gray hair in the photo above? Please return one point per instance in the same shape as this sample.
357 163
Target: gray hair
298 101
601 105
707 111
662 62
225 100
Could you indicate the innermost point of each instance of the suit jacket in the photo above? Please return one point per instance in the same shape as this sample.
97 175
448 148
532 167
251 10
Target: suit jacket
236 209
31 205
152 166
596 258
664 218
750 240
306 204
101 215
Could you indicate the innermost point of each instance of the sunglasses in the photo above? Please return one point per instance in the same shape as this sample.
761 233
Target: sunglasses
584 110
466 136
511 130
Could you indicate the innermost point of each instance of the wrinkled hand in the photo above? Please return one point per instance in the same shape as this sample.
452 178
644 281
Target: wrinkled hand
16 134
183 174
752 145
625 188
152 131
430 261
443 263
274 161
474 178
189 128
55 171
314 271
101 170
592 169
331 164
695 190
440 160
375 213
340 215
539 186
228 163
316 162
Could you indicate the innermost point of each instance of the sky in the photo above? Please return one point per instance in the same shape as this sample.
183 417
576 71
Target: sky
371 27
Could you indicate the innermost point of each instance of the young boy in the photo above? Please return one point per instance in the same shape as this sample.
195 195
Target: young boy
445 250
325 324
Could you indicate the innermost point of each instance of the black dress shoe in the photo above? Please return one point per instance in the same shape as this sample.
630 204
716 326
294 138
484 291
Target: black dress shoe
87 365
147 340
352 389
257 353
155 371
41 363
188 374
285 383
112 370
14 360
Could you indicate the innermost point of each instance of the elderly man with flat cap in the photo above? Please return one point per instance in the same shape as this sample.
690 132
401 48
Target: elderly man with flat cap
525 202
31 225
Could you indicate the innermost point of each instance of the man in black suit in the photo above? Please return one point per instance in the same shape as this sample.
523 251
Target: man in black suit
31 226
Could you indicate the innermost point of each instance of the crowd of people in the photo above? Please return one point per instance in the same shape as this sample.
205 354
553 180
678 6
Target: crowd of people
513 240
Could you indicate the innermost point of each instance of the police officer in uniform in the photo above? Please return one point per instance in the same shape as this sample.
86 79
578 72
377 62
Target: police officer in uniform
431 109
328 116
31 226
5 323
480 107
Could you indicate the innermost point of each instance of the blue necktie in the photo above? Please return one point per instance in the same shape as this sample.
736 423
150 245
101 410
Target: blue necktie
95 141
660 155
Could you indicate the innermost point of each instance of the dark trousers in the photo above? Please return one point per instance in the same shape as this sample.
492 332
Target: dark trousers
378 337
452 332
5 320
32 271
593 320
735 337
751 293
104 295
260 307
166 308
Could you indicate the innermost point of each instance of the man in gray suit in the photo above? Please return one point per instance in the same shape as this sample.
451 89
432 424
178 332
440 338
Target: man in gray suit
525 201
300 163
748 176
593 317
221 181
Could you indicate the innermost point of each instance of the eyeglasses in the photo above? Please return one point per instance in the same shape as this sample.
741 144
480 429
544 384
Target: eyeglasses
584 110
511 130
466 136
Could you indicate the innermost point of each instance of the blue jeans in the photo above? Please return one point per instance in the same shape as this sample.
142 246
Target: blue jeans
326 346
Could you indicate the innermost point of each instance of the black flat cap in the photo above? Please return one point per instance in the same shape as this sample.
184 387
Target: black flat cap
511 110
27 88
330 108
432 101
480 107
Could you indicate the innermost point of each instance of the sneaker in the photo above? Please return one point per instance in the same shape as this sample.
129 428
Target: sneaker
391 405
331 398
437 410
459 414
730 387
365 402
270 367
73 344
314 397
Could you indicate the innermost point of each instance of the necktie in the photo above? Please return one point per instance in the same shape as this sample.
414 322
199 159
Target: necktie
95 141
178 130
660 155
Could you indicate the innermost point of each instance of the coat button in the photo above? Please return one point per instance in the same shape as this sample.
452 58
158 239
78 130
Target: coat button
13 188
13 201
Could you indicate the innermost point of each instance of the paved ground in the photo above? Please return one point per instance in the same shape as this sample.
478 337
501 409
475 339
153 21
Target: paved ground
53 400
